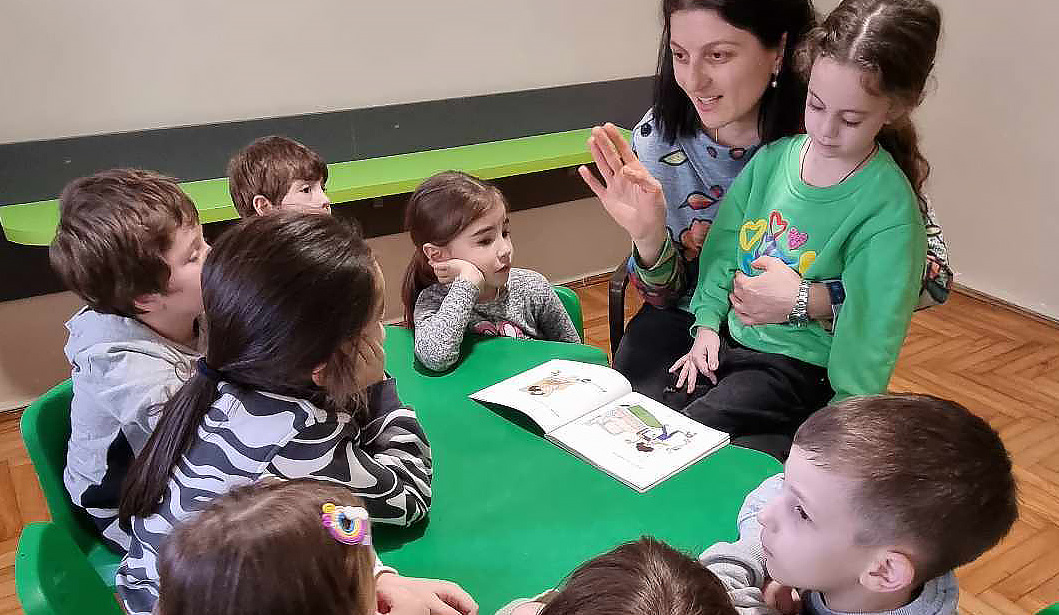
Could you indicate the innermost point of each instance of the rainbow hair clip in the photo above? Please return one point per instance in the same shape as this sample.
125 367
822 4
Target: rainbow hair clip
348 524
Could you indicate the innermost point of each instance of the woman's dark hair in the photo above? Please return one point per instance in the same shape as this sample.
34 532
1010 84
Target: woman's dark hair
441 207
262 550
644 577
782 107
283 294
895 42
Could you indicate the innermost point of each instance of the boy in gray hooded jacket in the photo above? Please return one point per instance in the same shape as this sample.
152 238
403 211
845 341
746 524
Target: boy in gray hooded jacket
880 499
130 244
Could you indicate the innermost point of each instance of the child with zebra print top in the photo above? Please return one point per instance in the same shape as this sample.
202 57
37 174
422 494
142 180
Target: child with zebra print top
291 386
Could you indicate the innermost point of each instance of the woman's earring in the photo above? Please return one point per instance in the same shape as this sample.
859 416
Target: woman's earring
775 78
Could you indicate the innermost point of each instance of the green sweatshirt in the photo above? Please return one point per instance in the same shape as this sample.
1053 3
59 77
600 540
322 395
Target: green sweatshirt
867 230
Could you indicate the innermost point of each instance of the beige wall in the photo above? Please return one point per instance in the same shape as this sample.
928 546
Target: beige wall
990 134
32 333
76 68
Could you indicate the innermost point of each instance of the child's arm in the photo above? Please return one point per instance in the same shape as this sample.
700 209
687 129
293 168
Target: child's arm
740 565
718 260
387 462
550 316
115 393
882 277
440 321
400 595
717 264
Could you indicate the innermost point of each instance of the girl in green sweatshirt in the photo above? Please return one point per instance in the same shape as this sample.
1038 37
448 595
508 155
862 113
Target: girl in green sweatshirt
841 202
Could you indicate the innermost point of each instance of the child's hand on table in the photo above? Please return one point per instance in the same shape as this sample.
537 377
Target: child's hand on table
399 595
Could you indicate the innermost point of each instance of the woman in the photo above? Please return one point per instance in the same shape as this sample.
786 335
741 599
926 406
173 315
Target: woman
726 85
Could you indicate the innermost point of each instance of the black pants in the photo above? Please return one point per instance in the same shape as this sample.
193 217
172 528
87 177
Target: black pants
760 398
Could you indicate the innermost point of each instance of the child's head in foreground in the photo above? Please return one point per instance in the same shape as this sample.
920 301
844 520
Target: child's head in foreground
129 243
264 549
274 173
884 493
453 215
644 577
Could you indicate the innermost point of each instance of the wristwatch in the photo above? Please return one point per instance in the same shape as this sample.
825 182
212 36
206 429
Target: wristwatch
799 315
836 291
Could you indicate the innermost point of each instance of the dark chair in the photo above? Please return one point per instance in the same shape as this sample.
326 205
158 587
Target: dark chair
619 281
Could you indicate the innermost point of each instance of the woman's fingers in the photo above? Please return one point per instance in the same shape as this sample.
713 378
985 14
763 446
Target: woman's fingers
603 164
642 178
607 149
593 183
621 145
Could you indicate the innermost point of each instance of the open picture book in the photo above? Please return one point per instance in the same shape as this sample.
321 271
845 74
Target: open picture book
592 411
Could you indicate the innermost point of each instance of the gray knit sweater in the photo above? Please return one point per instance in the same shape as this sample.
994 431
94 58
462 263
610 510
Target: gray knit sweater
526 307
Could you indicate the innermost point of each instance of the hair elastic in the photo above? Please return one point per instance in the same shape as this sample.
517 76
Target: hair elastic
207 371
348 524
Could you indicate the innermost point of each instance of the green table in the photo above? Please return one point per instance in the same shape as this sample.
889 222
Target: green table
512 513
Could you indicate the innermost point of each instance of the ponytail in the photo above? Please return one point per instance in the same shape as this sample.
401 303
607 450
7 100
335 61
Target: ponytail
419 276
902 142
149 474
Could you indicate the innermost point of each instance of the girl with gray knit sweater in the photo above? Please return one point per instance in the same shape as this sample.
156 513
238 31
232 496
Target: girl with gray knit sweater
460 278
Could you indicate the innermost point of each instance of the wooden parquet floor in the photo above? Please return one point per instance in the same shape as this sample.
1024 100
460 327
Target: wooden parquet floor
999 363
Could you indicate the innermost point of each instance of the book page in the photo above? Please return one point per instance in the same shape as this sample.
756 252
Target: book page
638 440
557 392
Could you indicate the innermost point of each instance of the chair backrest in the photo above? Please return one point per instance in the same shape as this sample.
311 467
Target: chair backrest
572 304
46 433
53 577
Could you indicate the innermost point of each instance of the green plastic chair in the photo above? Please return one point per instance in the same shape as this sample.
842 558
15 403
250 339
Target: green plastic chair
572 304
53 577
45 432
1050 610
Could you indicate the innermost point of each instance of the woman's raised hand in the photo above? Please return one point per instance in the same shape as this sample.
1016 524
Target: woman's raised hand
628 191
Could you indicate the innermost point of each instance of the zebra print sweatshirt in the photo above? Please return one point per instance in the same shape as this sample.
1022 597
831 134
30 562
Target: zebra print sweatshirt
247 435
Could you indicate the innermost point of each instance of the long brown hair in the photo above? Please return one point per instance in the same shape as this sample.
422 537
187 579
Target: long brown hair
780 113
643 577
441 207
262 550
284 294
895 42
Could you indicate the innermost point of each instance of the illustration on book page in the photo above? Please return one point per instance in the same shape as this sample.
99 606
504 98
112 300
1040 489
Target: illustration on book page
557 380
640 429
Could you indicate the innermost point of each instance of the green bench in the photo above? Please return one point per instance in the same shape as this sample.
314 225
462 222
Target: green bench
34 223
